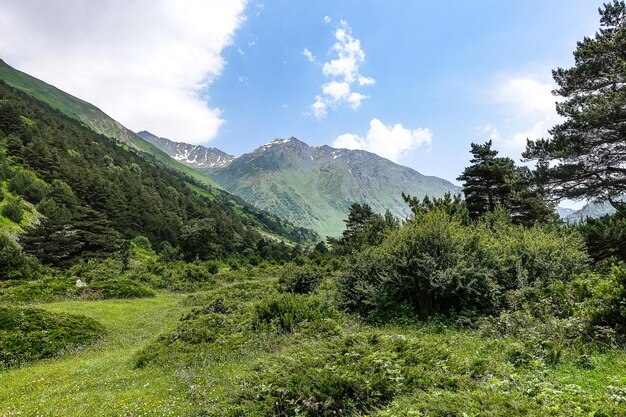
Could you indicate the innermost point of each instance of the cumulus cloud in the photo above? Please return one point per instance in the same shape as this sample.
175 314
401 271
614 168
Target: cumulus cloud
391 142
147 63
343 69
530 109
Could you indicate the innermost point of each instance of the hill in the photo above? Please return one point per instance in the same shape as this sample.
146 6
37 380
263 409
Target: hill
94 193
90 116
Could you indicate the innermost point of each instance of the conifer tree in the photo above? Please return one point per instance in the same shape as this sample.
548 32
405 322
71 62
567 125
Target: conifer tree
590 145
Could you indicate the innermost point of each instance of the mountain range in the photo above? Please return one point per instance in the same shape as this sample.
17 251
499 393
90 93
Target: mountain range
311 186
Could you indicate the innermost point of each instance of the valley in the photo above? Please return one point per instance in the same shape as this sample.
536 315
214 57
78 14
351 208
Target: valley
147 276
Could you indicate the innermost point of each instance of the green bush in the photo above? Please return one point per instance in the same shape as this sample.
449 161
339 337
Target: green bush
435 264
348 376
27 185
299 279
115 288
204 332
607 307
46 289
193 273
13 210
28 334
14 264
285 313
96 270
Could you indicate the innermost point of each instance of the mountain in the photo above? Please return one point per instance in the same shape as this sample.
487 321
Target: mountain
564 212
312 186
90 116
195 156
593 210
94 120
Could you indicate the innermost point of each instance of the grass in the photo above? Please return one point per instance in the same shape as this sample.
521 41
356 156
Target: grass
101 380
222 362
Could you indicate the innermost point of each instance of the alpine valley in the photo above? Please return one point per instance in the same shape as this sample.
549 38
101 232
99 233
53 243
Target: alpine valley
142 276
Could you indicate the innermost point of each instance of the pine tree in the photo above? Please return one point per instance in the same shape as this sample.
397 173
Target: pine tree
590 145
487 182
493 181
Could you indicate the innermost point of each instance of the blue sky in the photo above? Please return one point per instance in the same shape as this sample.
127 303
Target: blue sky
414 81
437 65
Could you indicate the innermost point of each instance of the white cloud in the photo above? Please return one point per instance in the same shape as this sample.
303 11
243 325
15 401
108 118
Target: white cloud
336 90
491 132
391 142
527 95
146 62
309 55
344 71
319 108
327 19
530 112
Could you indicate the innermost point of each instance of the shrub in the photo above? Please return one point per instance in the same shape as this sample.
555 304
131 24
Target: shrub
14 264
28 334
435 264
343 376
46 289
13 210
288 312
191 272
299 279
96 270
212 267
607 307
115 288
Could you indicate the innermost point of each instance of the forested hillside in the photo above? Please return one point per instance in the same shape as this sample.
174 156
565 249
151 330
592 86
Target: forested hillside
94 193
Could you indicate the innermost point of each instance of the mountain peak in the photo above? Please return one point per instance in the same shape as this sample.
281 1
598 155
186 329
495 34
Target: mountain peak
292 140
195 156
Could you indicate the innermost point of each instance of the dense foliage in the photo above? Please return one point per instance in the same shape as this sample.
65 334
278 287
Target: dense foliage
28 334
436 264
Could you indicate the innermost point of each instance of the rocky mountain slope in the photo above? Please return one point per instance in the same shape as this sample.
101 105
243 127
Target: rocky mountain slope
311 186
195 156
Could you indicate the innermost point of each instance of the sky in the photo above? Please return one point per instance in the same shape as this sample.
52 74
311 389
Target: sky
413 81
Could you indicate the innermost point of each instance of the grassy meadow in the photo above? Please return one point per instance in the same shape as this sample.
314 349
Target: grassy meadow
242 347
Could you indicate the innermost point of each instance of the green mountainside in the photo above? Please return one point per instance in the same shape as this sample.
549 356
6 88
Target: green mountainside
311 186
90 116
97 121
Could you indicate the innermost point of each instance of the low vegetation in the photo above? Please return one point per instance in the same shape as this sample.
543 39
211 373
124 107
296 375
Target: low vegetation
28 334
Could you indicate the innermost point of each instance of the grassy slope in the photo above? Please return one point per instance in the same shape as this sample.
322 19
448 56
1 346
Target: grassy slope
101 381
319 198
